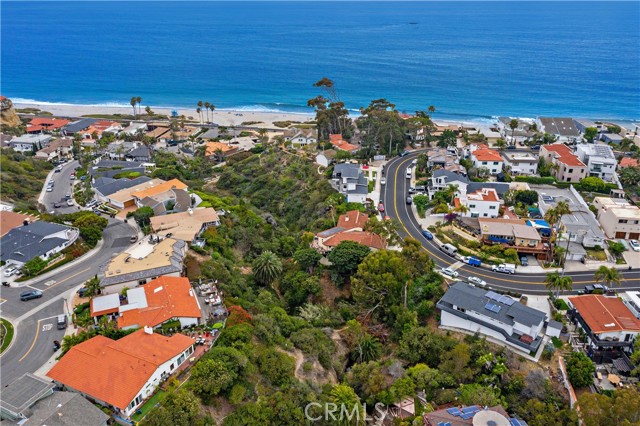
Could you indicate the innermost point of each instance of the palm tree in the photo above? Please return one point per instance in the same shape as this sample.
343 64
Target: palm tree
462 209
133 103
200 105
212 107
562 208
198 110
551 216
93 287
501 144
139 101
206 106
557 282
513 125
431 109
353 412
608 276
368 349
267 267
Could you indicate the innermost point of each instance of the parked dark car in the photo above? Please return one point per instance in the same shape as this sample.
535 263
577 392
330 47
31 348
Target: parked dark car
409 200
535 147
82 291
56 205
32 294
511 147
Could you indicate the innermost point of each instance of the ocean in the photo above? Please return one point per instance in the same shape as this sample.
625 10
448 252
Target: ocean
471 60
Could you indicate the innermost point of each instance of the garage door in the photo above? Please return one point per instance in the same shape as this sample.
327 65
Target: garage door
621 234
634 235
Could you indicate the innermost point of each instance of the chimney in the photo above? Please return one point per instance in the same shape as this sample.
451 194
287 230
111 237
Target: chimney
148 330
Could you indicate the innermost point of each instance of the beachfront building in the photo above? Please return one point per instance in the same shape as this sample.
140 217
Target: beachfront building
46 125
483 157
30 142
520 134
186 226
142 263
351 182
350 227
37 239
134 128
563 128
122 374
157 302
600 160
566 166
618 218
77 126
300 137
520 164
484 202
608 323
475 310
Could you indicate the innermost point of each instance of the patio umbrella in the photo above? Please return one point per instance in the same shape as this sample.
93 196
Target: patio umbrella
613 378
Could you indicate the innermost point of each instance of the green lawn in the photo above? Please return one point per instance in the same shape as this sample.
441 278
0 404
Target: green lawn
7 334
142 411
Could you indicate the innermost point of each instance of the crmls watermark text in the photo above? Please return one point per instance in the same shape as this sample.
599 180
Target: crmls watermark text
316 411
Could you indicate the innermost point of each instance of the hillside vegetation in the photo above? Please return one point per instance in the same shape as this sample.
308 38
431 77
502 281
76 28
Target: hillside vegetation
22 179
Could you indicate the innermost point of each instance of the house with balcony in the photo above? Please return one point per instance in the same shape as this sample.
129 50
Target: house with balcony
566 166
517 234
186 226
609 325
484 202
522 133
599 159
349 180
618 218
475 310
520 164
486 158
122 374
563 128
30 142
441 179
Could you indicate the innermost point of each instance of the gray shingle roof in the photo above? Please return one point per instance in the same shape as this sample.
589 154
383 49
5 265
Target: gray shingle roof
500 187
22 393
347 170
107 186
451 176
26 242
78 125
141 151
474 299
66 409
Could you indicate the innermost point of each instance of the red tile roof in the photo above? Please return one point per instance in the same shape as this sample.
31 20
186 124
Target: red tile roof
605 314
486 194
339 143
628 162
365 238
486 154
564 154
167 297
114 371
353 219
38 124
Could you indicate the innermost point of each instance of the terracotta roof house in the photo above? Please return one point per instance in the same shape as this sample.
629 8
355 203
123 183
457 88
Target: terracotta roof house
568 167
607 322
350 228
121 374
628 162
169 201
186 226
487 158
219 151
158 301
39 125
341 144
10 220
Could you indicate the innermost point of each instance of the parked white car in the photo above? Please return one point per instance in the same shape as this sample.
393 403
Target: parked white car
10 270
449 272
635 245
383 181
477 281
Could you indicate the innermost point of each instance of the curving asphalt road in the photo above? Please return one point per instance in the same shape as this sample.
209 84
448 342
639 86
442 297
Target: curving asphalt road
394 196
35 320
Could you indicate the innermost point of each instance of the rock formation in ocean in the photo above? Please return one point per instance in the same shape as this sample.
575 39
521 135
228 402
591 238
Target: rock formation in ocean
8 116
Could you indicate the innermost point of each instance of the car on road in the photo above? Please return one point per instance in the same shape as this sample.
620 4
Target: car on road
96 211
70 202
56 205
535 147
29 295
409 200
49 188
404 153
477 281
58 169
414 161
383 181
91 204
635 245
449 272
472 260
505 268
72 177
428 235
511 147
133 239
10 270
524 261
381 207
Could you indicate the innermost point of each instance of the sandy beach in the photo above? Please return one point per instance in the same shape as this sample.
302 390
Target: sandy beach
221 117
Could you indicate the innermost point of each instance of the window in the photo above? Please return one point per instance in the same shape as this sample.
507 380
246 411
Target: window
475 215
570 170
622 221
142 282
485 215
492 207
565 169
495 163
472 206
568 179
484 163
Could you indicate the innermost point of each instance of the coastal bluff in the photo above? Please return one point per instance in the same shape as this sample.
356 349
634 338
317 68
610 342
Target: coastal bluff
8 116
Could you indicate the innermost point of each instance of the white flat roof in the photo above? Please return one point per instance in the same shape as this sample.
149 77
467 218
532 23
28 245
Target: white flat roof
106 302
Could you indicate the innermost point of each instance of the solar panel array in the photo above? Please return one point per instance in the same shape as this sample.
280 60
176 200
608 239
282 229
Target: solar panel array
492 307
516 422
465 414
444 424
506 300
